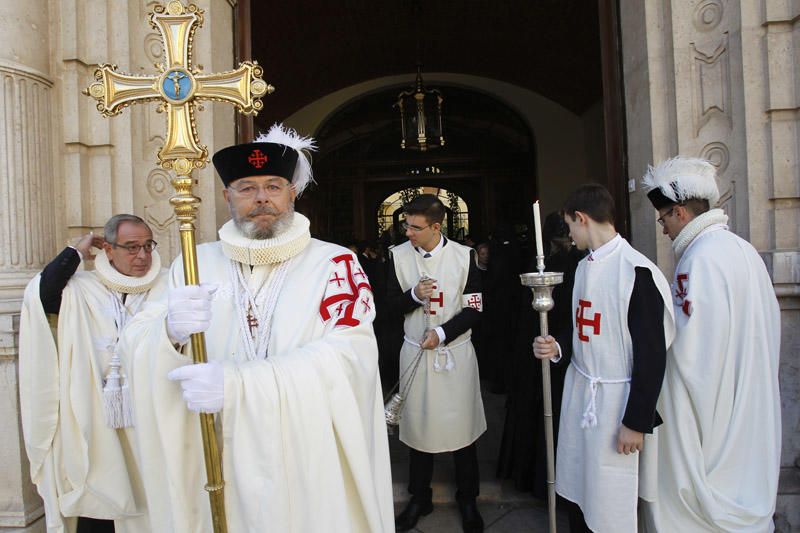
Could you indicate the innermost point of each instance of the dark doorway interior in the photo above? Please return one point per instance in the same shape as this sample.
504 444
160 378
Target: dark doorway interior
489 161
564 50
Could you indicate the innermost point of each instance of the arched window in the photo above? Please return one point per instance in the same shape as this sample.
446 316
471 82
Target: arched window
391 212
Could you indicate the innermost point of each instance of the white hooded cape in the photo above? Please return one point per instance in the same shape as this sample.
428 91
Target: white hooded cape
80 466
719 447
303 435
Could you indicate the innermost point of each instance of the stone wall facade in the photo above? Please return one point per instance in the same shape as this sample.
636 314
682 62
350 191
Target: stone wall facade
720 79
64 170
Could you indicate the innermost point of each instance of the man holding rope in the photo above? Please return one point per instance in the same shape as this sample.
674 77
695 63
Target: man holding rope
436 284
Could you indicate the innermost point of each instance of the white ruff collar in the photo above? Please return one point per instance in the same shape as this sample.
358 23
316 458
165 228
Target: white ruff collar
254 252
117 281
695 227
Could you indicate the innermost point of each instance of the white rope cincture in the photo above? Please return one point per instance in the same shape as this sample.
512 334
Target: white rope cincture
590 413
441 351
117 401
261 304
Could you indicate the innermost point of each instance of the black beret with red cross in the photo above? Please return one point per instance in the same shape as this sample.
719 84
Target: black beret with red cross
255 159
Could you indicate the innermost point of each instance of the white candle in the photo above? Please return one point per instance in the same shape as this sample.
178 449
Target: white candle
537 223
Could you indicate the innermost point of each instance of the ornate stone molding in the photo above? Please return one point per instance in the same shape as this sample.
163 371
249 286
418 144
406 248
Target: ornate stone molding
708 15
711 82
26 188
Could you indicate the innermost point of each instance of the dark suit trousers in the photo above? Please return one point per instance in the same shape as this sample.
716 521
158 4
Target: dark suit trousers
467 475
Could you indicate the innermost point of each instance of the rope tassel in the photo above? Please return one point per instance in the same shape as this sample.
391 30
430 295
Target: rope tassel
117 402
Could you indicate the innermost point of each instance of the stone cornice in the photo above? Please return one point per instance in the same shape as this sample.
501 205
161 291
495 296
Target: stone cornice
16 69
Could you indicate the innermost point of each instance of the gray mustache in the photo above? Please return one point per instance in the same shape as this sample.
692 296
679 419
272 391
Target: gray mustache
263 210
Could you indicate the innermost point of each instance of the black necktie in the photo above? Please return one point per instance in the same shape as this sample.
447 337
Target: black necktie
427 255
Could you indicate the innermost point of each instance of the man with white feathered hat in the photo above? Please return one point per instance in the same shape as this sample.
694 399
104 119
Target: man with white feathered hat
719 447
292 371
77 415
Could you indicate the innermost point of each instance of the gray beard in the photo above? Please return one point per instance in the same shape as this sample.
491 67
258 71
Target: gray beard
251 229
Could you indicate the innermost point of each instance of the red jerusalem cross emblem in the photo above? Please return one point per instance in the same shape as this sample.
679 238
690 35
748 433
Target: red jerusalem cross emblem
681 292
439 300
257 158
345 301
581 321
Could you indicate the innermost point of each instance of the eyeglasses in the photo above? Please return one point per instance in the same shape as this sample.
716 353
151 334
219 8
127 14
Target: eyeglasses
660 219
134 249
416 229
251 190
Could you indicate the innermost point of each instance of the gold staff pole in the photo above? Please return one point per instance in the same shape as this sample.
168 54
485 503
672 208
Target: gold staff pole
177 88
185 204
542 284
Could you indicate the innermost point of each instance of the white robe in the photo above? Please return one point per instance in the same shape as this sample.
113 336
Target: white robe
589 470
443 411
303 435
80 466
719 447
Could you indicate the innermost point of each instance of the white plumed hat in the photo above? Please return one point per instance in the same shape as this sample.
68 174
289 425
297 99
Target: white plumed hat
679 179
278 134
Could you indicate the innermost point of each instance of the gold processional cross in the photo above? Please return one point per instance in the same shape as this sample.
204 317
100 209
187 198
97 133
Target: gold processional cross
177 88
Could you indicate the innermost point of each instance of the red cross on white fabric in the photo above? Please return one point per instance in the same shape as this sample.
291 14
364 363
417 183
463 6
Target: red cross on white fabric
347 298
439 300
475 302
581 321
336 279
365 302
682 291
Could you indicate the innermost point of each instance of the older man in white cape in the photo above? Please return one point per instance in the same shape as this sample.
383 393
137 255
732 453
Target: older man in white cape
74 395
719 447
292 371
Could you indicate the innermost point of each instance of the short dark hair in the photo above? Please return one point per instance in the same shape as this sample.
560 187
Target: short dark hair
697 206
593 200
429 206
112 226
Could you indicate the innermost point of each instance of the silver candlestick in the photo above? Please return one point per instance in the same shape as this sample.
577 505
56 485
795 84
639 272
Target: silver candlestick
542 284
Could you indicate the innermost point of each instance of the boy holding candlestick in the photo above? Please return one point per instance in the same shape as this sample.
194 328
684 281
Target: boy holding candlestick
623 325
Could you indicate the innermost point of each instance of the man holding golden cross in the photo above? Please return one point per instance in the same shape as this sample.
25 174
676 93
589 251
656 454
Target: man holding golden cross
292 374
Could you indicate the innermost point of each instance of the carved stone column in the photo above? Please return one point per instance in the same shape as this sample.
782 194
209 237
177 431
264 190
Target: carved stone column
27 237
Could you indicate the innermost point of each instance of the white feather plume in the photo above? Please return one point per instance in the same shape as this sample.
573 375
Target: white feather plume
682 178
303 175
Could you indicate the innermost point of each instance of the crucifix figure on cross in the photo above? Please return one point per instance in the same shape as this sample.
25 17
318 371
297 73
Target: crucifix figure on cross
178 87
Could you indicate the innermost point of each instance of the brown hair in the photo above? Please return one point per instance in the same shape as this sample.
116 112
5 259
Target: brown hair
697 206
593 200
427 205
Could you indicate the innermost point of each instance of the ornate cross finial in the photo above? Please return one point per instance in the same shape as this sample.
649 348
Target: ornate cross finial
178 86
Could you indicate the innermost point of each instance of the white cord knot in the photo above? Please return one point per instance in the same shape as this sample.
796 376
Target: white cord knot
590 413
443 351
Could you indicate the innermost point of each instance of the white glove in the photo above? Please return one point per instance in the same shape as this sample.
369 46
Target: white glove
203 386
189 311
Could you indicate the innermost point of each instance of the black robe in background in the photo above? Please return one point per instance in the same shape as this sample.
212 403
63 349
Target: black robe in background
500 297
523 456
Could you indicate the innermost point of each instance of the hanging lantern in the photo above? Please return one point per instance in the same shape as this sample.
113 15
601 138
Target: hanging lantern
421 117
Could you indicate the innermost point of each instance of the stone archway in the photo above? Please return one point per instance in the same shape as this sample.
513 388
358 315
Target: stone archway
490 151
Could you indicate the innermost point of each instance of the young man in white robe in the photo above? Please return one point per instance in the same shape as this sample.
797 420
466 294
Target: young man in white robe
623 325
75 400
292 371
436 284
720 446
